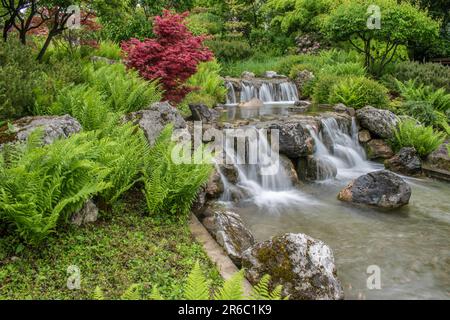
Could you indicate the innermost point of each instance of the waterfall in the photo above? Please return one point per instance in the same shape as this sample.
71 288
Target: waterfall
266 91
343 151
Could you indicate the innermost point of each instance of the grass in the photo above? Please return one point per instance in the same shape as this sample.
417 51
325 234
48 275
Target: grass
121 249
257 65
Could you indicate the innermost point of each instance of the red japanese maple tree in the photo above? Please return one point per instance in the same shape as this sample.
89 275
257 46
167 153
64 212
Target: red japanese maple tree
172 57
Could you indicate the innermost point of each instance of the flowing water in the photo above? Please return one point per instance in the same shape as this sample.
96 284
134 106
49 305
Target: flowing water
268 92
410 245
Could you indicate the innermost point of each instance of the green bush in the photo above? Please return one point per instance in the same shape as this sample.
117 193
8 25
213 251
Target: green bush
358 92
109 49
424 112
171 188
230 50
345 69
257 64
204 23
438 98
427 74
20 75
323 88
42 186
285 64
424 139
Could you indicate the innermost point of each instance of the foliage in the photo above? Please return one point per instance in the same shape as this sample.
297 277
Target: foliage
122 27
205 23
19 77
402 24
124 91
345 69
172 57
229 50
424 139
171 187
285 64
439 99
109 49
358 92
257 64
323 88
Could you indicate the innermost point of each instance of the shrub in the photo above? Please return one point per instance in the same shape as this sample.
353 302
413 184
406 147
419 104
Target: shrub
285 64
427 74
358 92
426 114
124 91
229 50
345 69
439 99
20 75
257 64
424 139
42 186
171 188
122 27
204 23
109 49
172 57
323 88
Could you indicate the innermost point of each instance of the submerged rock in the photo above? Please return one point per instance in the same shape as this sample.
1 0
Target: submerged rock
378 149
153 120
406 161
229 231
302 265
379 122
253 103
54 127
203 113
382 189
312 168
87 214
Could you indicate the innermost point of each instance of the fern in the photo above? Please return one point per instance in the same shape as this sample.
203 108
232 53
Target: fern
132 293
156 295
98 294
439 99
197 288
232 288
262 292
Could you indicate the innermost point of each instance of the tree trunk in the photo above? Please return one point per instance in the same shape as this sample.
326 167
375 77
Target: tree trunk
45 46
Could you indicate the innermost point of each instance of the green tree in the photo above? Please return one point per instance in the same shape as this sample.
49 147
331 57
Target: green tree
401 24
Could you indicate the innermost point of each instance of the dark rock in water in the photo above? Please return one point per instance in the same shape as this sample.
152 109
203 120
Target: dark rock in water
406 161
289 169
203 113
382 189
304 266
379 149
54 127
312 168
87 214
229 231
439 159
295 140
364 136
153 120
379 122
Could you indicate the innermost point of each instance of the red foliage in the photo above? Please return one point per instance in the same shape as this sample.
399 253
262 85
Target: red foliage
172 57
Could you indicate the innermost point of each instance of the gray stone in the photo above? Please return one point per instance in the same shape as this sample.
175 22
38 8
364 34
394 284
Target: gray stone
54 127
304 266
289 169
270 74
253 103
312 168
229 231
301 79
203 113
153 120
439 159
295 139
87 214
378 149
382 189
406 161
379 122
364 136
247 75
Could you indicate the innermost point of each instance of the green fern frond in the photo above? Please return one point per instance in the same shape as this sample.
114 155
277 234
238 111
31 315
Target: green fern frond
98 294
232 288
132 293
156 295
197 288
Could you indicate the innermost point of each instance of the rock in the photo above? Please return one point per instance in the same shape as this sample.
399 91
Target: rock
379 122
288 169
382 189
302 103
302 265
364 136
88 214
247 75
253 103
229 231
312 168
270 74
295 139
54 127
301 79
153 120
342 108
379 149
439 159
103 59
406 161
201 112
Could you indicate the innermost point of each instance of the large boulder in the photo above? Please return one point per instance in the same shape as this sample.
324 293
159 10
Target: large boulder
378 149
203 113
302 265
313 168
439 159
54 127
153 120
382 189
295 139
229 231
379 122
406 161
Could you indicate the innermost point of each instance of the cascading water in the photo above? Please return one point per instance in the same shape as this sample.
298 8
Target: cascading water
267 92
